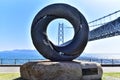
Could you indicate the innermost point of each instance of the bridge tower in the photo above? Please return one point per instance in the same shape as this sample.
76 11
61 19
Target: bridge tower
60 33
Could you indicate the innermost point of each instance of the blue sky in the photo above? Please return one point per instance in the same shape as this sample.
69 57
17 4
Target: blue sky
16 18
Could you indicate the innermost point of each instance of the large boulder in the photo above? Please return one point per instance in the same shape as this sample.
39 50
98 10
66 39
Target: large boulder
69 70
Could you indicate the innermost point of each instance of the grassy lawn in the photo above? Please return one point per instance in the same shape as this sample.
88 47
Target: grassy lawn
9 76
112 74
115 74
12 76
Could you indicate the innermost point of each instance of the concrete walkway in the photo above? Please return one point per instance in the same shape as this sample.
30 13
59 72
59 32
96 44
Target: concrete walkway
9 69
111 69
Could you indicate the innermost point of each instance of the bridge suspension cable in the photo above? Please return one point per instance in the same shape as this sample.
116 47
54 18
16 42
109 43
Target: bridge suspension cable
105 19
106 26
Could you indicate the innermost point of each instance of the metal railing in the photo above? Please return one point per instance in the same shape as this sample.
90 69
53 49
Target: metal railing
16 61
104 62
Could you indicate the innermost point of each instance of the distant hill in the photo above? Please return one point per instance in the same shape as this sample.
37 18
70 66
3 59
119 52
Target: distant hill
18 51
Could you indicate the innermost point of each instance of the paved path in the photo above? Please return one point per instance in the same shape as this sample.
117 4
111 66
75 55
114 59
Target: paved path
111 69
9 69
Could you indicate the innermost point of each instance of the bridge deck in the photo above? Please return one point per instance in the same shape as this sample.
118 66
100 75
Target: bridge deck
107 30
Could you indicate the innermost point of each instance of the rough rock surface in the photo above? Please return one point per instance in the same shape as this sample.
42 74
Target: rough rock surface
69 70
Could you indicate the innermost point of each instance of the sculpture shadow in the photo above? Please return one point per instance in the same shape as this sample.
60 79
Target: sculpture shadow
20 78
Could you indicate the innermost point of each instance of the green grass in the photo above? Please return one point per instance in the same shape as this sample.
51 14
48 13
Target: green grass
9 76
111 74
12 76
114 74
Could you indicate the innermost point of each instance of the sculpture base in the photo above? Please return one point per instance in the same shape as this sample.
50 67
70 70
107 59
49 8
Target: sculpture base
66 70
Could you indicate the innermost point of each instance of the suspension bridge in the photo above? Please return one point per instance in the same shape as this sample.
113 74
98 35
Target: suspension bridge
104 27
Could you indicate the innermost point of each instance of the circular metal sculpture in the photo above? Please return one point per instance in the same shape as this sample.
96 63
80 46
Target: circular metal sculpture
47 48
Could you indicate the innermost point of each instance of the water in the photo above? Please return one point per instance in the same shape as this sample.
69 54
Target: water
102 56
22 56
19 56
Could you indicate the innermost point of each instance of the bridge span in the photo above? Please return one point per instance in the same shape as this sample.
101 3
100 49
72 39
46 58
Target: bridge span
109 29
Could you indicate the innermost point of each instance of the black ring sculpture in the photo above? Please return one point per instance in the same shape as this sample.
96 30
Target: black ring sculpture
47 48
